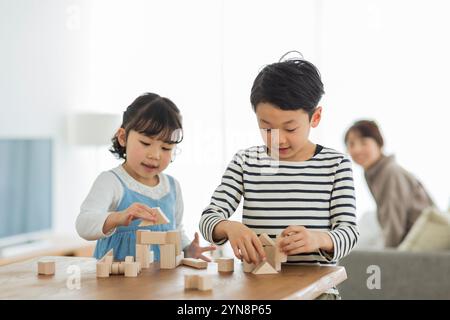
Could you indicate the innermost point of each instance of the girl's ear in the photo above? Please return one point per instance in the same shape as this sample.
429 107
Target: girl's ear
315 119
122 137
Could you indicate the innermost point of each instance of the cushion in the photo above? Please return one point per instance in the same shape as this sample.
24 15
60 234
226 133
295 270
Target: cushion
430 232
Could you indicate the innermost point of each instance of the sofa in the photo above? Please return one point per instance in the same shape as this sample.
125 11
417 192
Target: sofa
418 269
403 275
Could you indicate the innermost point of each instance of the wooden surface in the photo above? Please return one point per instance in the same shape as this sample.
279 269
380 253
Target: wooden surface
20 281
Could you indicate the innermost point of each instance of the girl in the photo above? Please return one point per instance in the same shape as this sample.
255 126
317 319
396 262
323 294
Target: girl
399 196
124 196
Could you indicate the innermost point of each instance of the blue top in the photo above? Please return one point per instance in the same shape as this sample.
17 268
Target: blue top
123 241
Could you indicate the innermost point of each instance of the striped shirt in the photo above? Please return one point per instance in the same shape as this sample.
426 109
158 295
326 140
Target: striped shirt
317 193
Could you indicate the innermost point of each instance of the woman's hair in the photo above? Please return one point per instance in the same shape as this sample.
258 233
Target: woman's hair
366 129
290 85
153 116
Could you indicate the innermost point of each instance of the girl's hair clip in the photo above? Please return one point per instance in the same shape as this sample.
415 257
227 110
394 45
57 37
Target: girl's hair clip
295 55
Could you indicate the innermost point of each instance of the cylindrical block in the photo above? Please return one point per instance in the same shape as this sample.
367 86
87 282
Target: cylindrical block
115 268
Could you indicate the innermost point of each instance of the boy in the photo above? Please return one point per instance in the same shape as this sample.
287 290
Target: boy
290 186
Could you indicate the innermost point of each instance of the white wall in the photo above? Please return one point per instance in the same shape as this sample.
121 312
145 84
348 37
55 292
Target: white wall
380 59
43 55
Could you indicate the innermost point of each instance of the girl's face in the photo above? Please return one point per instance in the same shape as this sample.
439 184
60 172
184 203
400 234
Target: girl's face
286 132
146 157
363 150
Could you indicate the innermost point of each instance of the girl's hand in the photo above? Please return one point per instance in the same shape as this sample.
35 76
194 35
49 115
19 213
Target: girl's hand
245 243
195 251
298 239
136 211
124 218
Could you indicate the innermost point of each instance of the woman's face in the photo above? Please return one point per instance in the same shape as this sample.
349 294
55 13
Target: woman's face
363 150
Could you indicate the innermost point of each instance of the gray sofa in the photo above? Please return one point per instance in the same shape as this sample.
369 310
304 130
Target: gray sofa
404 275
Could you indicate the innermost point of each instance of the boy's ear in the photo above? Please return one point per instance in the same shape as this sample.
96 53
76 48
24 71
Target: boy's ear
122 137
315 119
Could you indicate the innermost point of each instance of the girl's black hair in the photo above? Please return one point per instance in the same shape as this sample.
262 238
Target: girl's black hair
153 116
290 85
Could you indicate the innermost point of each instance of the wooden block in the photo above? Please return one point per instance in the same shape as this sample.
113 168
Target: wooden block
174 237
131 269
201 282
143 255
108 259
160 216
280 256
151 237
195 263
204 282
121 267
225 264
190 281
110 253
266 240
151 257
115 268
129 259
103 270
271 257
179 258
264 268
46 267
167 256
248 267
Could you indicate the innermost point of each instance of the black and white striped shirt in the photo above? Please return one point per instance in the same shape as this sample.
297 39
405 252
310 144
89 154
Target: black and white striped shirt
317 193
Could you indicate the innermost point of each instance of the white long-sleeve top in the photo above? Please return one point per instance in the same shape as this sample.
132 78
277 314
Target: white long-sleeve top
106 194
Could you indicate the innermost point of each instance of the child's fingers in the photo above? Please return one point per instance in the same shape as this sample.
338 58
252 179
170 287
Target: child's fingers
145 208
244 253
294 245
292 229
204 258
292 238
251 252
209 248
141 214
196 238
236 251
259 248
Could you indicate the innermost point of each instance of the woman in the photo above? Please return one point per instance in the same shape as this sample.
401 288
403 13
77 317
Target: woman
399 196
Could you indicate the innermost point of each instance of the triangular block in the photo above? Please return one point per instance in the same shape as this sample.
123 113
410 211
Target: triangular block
264 268
266 240
160 216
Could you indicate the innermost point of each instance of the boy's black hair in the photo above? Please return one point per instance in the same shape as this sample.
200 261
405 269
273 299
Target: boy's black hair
289 85
152 115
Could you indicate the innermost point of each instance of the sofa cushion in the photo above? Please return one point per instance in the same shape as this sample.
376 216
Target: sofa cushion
403 275
431 231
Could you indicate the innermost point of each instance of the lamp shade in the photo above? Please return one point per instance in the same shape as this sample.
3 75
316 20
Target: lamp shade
94 129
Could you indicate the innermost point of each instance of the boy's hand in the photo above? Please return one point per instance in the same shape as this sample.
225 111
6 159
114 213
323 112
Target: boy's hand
136 211
246 245
298 239
195 251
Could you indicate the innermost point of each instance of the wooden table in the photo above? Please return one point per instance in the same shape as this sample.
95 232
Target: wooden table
20 281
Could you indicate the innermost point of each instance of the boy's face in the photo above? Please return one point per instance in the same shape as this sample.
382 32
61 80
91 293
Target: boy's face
286 132
146 156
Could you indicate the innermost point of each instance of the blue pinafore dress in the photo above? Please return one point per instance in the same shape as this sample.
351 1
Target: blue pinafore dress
123 241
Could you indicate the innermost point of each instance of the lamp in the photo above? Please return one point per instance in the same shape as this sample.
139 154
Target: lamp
93 130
